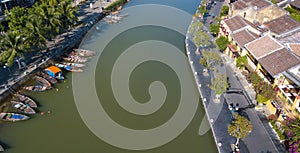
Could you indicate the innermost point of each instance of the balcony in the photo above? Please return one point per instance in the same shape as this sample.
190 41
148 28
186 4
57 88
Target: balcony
289 92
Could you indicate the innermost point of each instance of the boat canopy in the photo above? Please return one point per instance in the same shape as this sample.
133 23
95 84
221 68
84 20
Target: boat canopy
53 69
55 72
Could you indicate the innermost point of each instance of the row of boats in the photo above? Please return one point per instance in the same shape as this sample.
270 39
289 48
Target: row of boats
45 79
114 18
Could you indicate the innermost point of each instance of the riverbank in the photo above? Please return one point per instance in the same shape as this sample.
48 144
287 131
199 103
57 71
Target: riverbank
88 16
216 111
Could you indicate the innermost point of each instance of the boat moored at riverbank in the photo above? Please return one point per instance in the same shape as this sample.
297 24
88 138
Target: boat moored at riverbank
27 100
13 117
22 107
42 81
54 72
78 65
84 52
37 88
49 78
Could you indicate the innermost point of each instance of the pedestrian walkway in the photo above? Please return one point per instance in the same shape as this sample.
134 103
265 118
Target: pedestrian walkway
218 113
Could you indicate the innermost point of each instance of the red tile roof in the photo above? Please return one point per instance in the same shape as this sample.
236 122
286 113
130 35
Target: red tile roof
260 3
243 37
296 4
282 24
242 4
279 61
295 48
263 46
239 5
237 22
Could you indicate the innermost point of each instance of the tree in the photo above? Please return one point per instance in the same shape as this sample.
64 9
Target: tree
219 84
17 19
13 45
196 26
224 11
67 14
214 29
292 130
241 62
49 15
202 10
35 30
222 43
239 128
201 38
209 59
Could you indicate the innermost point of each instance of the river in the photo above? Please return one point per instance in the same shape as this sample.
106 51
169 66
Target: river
152 26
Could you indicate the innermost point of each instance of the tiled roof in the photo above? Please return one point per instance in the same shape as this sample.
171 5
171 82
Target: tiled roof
242 4
277 1
294 38
282 24
237 22
295 48
263 46
296 3
260 3
243 37
279 61
239 5
247 1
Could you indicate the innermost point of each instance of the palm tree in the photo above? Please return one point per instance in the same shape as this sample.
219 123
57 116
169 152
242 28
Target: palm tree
292 129
239 128
50 18
35 30
68 14
13 45
17 19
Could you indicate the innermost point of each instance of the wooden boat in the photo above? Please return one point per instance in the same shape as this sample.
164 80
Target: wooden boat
69 68
119 8
13 117
42 81
84 52
110 20
47 77
54 72
78 65
76 70
26 100
22 107
115 12
1 148
37 88
123 15
75 59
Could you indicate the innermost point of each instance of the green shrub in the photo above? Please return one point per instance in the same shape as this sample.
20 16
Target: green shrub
241 61
224 11
222 43
261 99
214 28
294 13
278 131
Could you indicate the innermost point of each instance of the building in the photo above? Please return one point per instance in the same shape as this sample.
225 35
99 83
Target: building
295 4
282 26
256 11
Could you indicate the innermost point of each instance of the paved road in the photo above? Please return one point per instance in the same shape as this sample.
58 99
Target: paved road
258 140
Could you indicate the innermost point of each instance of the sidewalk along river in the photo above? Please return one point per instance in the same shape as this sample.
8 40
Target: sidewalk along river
146 29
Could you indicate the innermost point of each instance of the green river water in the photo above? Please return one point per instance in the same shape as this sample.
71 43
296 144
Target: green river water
145 29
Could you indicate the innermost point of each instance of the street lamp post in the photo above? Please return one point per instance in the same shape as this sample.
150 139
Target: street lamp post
6 66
